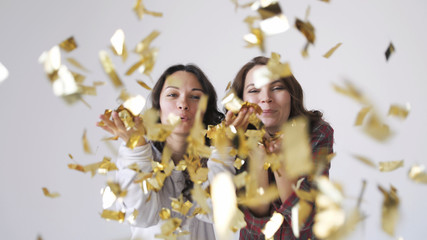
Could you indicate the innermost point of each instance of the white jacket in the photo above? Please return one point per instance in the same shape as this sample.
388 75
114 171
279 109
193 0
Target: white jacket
148 221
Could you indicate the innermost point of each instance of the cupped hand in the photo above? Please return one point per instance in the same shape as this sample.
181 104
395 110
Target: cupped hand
116 127
241 120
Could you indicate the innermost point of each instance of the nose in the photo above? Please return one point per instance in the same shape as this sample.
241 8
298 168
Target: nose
265 97
182 104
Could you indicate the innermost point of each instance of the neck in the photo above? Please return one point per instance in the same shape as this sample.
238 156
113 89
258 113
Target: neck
178 144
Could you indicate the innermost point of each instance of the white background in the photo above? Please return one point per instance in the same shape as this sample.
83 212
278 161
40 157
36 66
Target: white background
39 130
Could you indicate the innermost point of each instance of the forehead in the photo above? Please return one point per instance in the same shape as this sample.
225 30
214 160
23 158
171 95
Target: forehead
182 79
251 77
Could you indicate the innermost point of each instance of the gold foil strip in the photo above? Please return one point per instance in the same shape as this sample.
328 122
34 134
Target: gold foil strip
140 10
377 129
69 44
361 115
390 166
86 146
297 157
49 194
306 29
113 215
331 51
144 85
390 50
390 210
255 39
399 111
178 205
108 66
77 64
200 196
365 160
144 45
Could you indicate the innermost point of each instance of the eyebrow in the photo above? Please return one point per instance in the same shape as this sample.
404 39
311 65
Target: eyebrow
273 82
194 89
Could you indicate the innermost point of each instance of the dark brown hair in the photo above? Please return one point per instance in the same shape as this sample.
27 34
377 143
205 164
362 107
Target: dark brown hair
212 115
292 86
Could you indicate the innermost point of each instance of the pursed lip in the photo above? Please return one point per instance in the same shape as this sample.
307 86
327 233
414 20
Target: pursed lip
184 119
268 111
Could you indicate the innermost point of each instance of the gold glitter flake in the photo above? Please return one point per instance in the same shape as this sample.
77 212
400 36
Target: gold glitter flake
77 64
118 44
390 166
144 85
86 146
165 214
418 174
140 10
390 211
108 66
49 194
332 50
113 215
69 44
399 111
390 50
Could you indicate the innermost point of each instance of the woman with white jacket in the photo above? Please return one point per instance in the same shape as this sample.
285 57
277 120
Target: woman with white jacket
182 100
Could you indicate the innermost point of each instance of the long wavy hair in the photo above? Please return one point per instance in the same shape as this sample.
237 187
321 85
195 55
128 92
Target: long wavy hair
212 115
292 86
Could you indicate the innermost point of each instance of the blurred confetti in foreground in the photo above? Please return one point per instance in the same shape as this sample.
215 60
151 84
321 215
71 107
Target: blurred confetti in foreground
332 50
4 73
140 10
390 210
418 174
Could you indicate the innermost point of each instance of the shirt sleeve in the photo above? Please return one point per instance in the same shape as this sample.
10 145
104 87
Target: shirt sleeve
148 207
217 163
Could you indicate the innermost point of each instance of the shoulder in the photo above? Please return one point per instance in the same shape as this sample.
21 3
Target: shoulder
322 128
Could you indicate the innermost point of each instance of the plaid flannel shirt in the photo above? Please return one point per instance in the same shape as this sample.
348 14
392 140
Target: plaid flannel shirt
322 136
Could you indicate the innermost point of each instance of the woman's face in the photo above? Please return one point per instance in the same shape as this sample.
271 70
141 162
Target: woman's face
273 98
180 96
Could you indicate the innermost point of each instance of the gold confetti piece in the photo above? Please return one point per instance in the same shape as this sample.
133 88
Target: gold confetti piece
170 226
307 12
228 86
106 166
329 189
144 85
71 156
132 218
390 211
144 45
113 215
77 167
390 166
224 204
108 66
418 174
118 44
232 102
140 10
297 157
135 104
48 194
361 115
69 44
399 111
255 39
77 64
98 83
306 29
273 225
351 91
332 50
349 225
273 20
51 61
87 90
389 51
365 160
258 197
377 129
362 191
238 163
201 197
178 205
165 213
4 73
86 146
276 68
111 193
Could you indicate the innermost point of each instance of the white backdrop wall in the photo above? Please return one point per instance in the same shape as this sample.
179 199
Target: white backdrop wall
39 130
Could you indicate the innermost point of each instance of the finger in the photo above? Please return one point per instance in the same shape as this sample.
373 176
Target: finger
229 118
107 121
239 119
107 129
118 122
245 120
